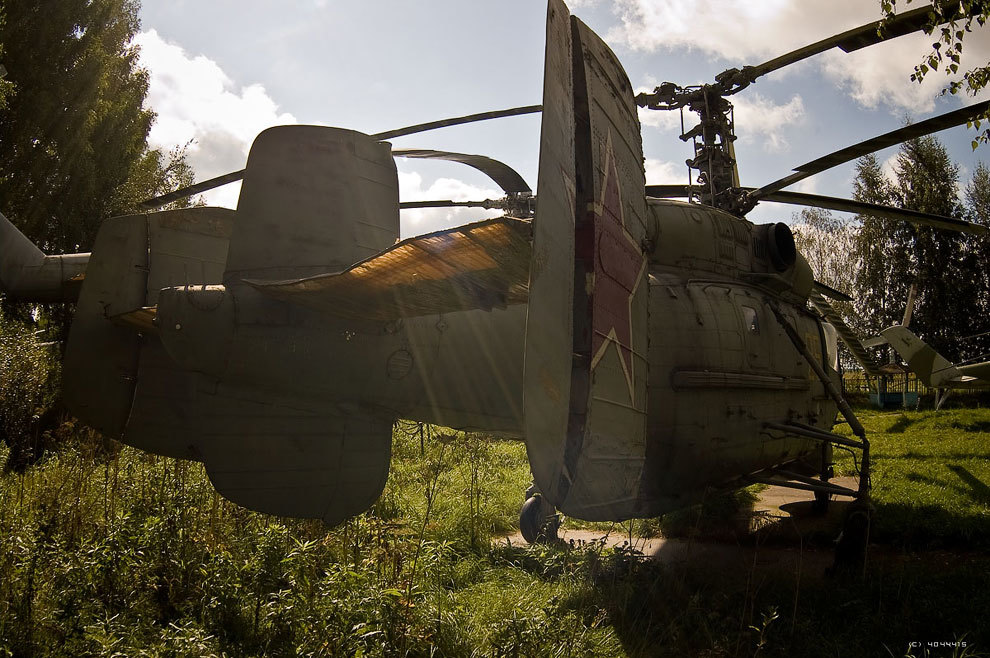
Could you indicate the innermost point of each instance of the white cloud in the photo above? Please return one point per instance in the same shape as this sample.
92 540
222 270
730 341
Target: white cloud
753 32
881 75
743 32
662 172
760 119
426 220
807 186
197 102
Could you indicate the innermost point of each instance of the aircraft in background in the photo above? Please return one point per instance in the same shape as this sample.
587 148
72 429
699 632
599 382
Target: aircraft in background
933 369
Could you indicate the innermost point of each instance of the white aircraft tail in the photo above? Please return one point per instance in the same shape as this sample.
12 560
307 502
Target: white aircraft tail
933 369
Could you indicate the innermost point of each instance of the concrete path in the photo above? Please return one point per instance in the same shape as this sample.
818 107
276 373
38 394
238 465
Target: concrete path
773 537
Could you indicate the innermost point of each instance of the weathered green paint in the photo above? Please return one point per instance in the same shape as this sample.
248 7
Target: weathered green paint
646 367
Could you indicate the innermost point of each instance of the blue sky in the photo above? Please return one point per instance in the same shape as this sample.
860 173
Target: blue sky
224 70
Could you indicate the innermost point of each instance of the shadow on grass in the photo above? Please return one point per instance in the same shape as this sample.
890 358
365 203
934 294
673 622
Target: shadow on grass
900 425
979 491
925 527
709 608
940 456
977 426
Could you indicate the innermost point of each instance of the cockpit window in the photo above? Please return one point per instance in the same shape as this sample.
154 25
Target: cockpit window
752 319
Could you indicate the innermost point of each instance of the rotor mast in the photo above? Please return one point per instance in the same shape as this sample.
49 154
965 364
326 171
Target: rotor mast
714 155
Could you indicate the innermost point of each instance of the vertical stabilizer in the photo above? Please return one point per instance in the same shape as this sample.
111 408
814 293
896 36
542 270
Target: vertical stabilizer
584 400
315 200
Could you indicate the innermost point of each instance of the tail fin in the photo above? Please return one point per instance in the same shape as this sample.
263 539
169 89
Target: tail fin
933 369
27 274
584 398
315 200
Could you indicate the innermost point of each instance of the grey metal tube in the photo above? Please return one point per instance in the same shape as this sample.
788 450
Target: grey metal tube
27 274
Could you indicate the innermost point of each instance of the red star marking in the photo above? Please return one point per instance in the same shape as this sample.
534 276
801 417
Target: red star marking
619 266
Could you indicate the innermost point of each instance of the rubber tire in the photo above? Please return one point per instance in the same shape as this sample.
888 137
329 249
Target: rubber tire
537 523
850 552
821 504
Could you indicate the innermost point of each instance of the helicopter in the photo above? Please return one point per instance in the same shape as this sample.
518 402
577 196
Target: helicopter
646 349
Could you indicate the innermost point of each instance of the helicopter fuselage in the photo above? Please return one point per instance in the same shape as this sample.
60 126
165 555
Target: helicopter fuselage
720 365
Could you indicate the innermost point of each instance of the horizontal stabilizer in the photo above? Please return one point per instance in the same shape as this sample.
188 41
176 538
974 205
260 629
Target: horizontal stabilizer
483 265
141 319
874 341
976 371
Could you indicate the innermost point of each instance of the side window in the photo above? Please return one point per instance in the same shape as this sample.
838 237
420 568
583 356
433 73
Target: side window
752 319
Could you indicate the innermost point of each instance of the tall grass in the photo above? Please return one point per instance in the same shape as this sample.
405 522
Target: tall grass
108 551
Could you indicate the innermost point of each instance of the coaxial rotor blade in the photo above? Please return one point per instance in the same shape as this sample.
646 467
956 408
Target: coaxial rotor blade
487 203
920 129
887 212
470 118
836 203
507 178
189 191
212 183
848 41
669 191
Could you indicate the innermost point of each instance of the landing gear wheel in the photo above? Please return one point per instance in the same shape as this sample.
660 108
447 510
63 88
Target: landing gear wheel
538 521
822 499
850 553
820 506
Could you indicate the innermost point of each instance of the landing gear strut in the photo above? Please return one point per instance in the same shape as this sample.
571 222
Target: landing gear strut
850 553
538 520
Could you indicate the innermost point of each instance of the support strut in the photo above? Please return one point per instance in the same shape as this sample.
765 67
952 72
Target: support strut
851 549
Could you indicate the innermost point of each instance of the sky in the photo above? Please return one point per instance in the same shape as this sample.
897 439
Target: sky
221 71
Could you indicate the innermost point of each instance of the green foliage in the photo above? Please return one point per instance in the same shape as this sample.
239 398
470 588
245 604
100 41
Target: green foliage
827 242
131 554
947 49
881 279
29 413
948 268
977 195
73 130
137 555
6 86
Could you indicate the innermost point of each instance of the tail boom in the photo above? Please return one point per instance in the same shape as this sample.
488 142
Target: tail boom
27 274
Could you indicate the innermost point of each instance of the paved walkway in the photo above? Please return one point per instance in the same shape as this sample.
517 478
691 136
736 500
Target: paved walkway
778 526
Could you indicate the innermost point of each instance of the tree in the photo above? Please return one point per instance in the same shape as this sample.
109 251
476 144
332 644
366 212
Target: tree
73 151
946 266
977 195
73 134
879 285
947 49
5 85
827 243
942 265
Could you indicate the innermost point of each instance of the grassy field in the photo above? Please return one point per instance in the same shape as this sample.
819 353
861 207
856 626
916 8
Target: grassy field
121 553
107 551
929 477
